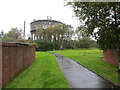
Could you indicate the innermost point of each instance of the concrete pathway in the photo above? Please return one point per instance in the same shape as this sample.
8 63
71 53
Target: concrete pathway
80 77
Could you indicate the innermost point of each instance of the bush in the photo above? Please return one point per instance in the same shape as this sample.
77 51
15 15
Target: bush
22 40
34 44
8 39
46 45
94 44
69 44
86 43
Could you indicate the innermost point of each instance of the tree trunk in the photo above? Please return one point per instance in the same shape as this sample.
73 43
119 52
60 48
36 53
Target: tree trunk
55 38
62 42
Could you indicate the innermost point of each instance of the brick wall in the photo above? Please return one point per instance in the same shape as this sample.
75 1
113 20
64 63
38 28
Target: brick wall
0 68
15 58
110 56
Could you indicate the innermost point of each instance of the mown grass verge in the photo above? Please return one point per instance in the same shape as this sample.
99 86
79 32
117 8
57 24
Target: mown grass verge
43 73
93 60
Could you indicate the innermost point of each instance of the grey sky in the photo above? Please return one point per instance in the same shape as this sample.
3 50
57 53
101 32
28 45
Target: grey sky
14 12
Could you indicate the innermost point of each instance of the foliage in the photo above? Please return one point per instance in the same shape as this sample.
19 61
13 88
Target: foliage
56 34
60 36
46 45
86 43
1 33
82 32
23 40
53 32
93 44
14 33
53 37
8 39
69 44
93 61
105 16
43 73
34 44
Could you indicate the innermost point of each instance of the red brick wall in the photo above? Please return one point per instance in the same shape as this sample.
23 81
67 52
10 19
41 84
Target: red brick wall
15 58
0 68
110 56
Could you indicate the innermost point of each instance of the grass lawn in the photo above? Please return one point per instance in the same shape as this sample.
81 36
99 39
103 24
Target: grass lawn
92 59
43 73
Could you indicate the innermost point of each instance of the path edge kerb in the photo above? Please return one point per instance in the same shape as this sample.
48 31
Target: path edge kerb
86 68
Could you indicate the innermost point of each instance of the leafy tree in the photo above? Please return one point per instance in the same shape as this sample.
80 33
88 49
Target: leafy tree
56 34
46 45
69 32
86 42
14 33
39 33
81 32
105 16
1 34
70 44
8 39
22 40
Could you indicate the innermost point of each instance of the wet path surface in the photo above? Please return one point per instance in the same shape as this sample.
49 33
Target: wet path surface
80 77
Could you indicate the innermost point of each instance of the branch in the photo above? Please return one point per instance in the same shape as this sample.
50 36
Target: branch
99 19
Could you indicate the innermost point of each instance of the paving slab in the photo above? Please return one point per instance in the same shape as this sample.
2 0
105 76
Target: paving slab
79 76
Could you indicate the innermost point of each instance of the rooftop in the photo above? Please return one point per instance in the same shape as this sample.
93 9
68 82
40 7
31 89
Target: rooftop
46 20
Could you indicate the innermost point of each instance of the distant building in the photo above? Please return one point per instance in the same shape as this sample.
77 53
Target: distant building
41 24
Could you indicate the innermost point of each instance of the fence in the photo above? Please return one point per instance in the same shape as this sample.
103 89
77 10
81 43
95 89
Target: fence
15 58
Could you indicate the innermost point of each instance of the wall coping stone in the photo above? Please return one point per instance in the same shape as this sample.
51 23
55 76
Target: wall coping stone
9 43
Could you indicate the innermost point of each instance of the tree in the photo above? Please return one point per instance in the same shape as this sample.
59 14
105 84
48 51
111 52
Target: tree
69 32
39 33
64 33
1 34
105 16
14 33
84 43
81 32
54 35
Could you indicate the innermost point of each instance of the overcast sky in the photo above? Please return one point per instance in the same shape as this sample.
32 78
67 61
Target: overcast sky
14 12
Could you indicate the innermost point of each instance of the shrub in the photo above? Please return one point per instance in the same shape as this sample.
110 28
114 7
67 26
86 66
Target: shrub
23 40
34 44
86 43
8 39
46 45
43 45
69 44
